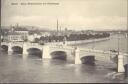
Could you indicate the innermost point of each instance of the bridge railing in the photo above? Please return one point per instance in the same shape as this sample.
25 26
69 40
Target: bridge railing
33 44
4 42
102 51
62 47
54 43
20 43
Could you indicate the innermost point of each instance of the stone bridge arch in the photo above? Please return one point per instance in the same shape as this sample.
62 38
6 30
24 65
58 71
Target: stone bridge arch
28 47
59 55
12 46
17 49
4 43
64 52
33 51
16 44
4 47
91 55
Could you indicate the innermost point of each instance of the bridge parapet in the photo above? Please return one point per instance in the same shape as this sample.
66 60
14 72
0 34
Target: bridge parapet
4 43
101 54
101 51
32 44
54 43
62 47
16 43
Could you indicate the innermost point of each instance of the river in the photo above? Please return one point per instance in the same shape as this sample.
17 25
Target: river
15 69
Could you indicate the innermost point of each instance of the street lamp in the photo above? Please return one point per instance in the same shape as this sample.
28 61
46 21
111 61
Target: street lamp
118 43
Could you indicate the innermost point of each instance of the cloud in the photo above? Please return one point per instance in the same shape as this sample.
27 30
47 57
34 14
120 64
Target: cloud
74 14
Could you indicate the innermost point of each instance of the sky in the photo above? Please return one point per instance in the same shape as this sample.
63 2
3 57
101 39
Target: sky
71 14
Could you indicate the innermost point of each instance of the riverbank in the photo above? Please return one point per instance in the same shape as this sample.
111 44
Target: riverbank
79 42
86 41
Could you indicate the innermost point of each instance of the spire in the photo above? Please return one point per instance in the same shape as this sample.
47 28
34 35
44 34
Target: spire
17 25
57 25
60 28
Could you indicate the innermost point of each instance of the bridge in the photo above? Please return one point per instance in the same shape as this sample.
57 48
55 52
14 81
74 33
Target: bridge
72 52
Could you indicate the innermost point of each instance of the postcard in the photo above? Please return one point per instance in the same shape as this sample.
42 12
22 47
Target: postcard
64 41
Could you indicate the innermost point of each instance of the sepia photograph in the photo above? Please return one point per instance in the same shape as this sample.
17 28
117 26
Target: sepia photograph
64 41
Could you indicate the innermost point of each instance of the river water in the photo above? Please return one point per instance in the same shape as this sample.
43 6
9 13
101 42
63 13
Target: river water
15 69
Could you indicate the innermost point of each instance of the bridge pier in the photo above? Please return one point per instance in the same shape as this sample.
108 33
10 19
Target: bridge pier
120 65
10 51
77 56
46 51
25 53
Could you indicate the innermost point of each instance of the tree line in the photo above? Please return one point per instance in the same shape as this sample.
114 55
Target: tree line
72 37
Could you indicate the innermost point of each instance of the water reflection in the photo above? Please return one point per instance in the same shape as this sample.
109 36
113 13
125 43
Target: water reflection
17 50
36 70
59 55
34 53
4 48
88 60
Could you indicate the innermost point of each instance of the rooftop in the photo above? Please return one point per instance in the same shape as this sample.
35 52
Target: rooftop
20 29
13 33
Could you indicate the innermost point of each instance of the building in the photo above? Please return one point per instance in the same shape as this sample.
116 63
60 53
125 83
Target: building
22 31
4 34
4 38
17 33
45 34
31 38
14 36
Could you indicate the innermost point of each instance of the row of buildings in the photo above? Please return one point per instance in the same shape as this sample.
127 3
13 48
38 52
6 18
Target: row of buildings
20 34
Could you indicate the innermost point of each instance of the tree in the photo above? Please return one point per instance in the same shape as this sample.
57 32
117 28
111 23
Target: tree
36 40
